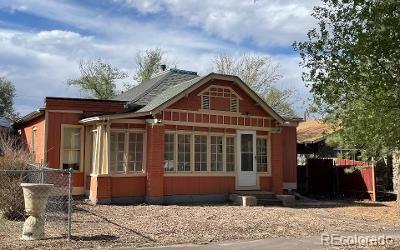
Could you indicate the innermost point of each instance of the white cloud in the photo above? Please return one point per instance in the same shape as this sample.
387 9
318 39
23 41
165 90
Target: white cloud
267 22
40 62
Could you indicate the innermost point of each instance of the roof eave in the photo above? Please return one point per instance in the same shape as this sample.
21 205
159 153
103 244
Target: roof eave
95 119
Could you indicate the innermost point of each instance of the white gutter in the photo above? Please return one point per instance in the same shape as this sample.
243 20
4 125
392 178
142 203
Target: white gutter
112 117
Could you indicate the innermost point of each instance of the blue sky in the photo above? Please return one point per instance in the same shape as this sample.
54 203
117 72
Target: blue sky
42 41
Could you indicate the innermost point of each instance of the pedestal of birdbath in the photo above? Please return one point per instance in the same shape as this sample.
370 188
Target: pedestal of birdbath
35 197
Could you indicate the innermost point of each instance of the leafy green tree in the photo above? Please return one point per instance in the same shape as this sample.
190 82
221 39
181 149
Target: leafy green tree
351 61
148 63
260 73
98 78
7 94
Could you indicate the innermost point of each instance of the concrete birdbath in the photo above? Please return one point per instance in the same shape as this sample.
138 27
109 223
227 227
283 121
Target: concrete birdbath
35 197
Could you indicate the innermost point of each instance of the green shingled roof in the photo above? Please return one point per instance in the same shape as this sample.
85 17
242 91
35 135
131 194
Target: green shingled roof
148 91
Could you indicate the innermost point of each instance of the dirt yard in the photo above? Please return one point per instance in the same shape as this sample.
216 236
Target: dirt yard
139 226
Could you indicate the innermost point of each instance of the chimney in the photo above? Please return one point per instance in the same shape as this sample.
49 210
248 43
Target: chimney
163 67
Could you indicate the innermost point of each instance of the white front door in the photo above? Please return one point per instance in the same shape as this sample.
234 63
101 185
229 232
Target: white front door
246 158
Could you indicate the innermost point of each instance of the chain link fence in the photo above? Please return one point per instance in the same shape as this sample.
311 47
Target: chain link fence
58 213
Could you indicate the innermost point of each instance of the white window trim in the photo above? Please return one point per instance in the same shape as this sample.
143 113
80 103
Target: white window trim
269 171
125 172
63 126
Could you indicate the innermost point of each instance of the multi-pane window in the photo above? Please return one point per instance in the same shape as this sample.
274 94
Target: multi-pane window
71 148
135 152
184 152
230 153
216 153
126 152
169 146
261 154
200 153
117 151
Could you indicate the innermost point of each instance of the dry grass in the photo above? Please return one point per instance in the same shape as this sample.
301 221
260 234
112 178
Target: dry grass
133 226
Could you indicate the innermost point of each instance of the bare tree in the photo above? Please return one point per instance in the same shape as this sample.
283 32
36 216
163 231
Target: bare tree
98 78
260 73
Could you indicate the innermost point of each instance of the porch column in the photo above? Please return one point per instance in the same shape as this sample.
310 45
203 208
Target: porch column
277 162
155 162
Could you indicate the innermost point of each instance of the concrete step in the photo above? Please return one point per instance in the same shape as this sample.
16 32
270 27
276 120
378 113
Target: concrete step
269 202
258 194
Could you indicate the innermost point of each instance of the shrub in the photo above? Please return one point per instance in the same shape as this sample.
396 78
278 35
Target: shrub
13 155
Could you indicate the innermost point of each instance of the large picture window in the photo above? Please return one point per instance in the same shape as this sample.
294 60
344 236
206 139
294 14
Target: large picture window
216 153
200 152
184 152
262 155
126 152
169 149
71 147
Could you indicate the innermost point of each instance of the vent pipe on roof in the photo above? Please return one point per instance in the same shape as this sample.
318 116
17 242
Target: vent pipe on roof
163 67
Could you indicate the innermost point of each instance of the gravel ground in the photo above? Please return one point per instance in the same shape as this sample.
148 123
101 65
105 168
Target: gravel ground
147 225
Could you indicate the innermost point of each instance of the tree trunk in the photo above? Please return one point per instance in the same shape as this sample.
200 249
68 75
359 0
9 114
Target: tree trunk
396 177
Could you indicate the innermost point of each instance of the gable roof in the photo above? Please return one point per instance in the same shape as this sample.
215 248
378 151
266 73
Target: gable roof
168 87
4 122
313 131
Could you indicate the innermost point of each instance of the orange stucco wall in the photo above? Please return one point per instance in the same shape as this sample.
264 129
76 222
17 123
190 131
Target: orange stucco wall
39 124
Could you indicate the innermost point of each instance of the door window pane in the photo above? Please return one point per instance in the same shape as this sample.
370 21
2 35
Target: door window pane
247 152
216 153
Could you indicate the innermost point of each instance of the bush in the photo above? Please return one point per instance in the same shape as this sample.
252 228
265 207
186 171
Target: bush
13 155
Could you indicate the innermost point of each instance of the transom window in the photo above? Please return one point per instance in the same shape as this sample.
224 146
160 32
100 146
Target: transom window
126 152
262 155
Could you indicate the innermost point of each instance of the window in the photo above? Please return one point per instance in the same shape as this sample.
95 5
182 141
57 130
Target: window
230 154
169 149
135 152
126 152
200 153
205 102
117 151
216 153
261 154
234 104
71 148
33 145
184 152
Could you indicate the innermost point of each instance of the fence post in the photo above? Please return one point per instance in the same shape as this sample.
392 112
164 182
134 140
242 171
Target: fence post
69 203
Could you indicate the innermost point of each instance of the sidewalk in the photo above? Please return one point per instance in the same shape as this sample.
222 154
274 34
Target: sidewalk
313 242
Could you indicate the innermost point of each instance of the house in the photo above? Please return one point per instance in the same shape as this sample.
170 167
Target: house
177 137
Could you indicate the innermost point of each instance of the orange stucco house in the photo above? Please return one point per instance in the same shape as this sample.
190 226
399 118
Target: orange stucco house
177 137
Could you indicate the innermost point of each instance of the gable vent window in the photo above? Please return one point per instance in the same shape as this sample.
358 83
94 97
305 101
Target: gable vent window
234 104
205 102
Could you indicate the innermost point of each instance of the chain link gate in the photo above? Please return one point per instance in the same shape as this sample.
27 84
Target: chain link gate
58 213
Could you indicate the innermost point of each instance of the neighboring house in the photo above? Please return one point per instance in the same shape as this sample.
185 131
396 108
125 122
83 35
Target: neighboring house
177 137
5 124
